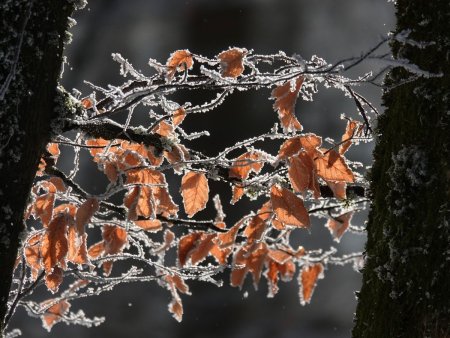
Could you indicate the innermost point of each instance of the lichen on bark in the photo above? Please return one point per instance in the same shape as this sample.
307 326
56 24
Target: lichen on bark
32 37
405 278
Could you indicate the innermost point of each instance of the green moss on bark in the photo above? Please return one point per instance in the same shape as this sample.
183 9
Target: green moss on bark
405 279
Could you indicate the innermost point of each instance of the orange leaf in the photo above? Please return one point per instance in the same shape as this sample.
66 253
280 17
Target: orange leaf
339 189
204 245
85 212
238 192
115 239
228 238
178 116
96 250
53 149
285 100
338 225
195 190
185 245
54 245
151 225
164 129
246 163
307 280
350 130
54 313
252 262
332 167
32 254
308 142
176 308
180 60
87 103
232 62
301 172
288 207
43 207
54 279
255 229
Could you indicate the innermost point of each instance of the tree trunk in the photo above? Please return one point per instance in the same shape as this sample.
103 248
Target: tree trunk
32 39
405 290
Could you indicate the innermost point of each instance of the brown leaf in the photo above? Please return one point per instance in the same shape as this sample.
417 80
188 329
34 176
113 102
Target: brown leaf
178 116
85 212
245 164
245 261
115 239
185 245
232 62
195 191
43 208
301 172
54 279
54 245
307 142
164 129
228 238
339 189
32 254
96 250
238 192
288 207
53 149
180 60
54 313
151 225
332 167
285 100
307 280
338 225
350 131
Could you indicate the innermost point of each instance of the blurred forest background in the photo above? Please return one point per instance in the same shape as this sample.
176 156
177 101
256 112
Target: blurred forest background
143 29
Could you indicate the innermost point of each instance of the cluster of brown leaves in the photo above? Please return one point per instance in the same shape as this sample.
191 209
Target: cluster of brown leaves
149 205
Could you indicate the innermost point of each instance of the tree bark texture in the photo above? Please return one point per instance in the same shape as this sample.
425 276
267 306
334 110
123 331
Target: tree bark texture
406 287
32 38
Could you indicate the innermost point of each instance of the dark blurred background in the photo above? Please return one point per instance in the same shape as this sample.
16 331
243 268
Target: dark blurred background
143 29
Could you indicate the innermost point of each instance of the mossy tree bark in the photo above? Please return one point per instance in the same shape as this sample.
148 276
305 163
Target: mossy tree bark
405 290
32 39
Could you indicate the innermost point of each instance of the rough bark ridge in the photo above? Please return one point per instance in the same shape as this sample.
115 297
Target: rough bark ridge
405 282
32 39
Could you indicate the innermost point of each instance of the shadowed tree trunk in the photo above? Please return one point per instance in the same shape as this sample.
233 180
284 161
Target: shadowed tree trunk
405 290
32 38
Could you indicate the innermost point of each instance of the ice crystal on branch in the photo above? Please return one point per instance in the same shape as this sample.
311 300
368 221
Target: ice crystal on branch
303 179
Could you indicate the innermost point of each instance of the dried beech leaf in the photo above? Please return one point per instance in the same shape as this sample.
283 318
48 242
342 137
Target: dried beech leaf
54 279
350 131
338 225
195 191
245 164
54 313
185 246
339 189
86 211
307 280
307 142
232 62
151 225
285 100
332 167
54 245
96 250
288 207
180 60
32 254
43 208
178 116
